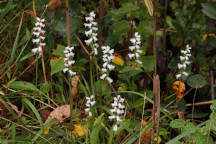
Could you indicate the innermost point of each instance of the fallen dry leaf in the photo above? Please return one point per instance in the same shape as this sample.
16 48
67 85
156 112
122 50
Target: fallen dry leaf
60 113
79 130
74 84
145 137
118 60
180 88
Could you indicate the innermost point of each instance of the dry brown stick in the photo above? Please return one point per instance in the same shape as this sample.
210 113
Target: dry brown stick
156 90
156 107
26 69
196 104
82 45
165 26
193 104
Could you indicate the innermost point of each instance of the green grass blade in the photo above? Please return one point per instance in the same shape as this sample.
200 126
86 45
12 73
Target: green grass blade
26 101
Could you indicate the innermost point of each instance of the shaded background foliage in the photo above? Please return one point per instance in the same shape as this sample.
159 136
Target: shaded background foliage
188 22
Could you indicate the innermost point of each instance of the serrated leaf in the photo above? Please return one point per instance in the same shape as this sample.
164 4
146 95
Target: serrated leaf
57 65
196 81
148 63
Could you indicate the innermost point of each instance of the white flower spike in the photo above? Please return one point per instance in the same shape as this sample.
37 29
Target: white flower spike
184 61
90 102
68 60
38 32
135 50
107 66
117 110
91 33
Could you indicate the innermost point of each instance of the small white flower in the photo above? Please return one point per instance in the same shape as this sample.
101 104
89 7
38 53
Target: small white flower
138 61
109 79
115 128
133 40
111 117
130 55
185 73
90 114
103 76
132 48
88 42
178 76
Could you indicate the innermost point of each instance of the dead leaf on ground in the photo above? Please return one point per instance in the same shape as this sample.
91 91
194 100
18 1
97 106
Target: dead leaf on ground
60 113
74 84
79 130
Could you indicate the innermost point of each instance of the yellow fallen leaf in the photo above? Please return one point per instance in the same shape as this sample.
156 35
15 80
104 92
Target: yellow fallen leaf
204 37
118 60
46 130
79 130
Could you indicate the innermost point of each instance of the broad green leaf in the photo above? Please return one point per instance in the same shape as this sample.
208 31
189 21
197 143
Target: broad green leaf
177 123
101 88
121 27
59 50
196 81
129 71
145 27
213 106
148 63
45 87
57 65
209 10
22 85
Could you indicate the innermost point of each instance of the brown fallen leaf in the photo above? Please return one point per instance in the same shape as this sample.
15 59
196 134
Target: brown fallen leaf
44 113
74 84
60 113
14 108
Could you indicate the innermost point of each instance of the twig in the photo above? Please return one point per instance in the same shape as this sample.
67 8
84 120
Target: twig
196 104
193 104
82 45
26 69
165 25
142 116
